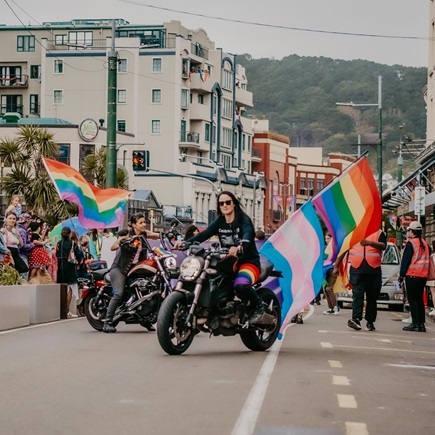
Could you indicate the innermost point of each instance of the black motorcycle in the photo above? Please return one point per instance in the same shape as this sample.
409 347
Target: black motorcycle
148 283
204 300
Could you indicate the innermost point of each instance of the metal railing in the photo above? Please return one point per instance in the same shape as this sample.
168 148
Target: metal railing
17 81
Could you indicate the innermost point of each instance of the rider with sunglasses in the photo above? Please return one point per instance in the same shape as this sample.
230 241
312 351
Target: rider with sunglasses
232 226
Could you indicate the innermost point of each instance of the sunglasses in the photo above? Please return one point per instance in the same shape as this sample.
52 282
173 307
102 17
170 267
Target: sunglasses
222 203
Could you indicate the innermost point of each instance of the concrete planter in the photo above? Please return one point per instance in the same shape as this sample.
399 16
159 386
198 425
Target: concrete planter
29 304
44 303
14 306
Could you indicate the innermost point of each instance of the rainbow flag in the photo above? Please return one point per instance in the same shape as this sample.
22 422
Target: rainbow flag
350 207
98 208
296 249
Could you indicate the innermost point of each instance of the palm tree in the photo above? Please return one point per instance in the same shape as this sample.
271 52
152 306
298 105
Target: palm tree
27 176
94 166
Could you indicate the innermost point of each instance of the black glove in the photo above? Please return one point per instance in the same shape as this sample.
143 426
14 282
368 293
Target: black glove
400 279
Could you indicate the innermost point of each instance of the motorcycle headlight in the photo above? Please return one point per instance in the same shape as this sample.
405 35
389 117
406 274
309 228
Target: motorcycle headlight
190 268
170 263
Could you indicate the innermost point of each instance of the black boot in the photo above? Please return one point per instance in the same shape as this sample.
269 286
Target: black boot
411 327
421 327
148 326
108 326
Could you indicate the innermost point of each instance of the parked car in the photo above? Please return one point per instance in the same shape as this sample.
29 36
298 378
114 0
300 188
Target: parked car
391 293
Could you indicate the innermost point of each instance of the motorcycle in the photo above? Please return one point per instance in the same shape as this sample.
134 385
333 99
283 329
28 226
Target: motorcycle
148 283
204 300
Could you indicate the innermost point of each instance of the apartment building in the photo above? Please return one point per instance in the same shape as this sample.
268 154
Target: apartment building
178 96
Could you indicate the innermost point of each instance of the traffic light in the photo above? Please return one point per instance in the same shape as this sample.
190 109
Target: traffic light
140 160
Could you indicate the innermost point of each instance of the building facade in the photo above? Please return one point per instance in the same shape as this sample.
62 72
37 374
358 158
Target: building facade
178 96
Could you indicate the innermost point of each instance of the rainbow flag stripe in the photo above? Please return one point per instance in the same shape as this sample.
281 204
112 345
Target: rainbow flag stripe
350 207
98 208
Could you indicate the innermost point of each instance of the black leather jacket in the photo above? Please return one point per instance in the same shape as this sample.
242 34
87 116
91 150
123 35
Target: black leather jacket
127 252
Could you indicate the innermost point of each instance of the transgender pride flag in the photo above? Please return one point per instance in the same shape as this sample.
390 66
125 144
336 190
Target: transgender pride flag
296 249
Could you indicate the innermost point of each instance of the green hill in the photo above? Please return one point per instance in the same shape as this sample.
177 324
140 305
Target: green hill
299 95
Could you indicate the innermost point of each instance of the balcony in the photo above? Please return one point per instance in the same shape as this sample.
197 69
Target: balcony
199 112
190 140
21 81
256 155
244 98
200 82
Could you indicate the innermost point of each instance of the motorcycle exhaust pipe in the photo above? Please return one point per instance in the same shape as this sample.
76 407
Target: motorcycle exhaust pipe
142 300
268 319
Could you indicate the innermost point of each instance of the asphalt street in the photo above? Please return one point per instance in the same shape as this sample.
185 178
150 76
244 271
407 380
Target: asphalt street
322 378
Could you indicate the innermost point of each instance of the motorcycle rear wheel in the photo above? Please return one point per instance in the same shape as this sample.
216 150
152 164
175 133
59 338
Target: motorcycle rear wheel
173 334
261 339
95 316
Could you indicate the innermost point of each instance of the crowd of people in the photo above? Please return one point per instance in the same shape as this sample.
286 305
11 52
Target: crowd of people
25 245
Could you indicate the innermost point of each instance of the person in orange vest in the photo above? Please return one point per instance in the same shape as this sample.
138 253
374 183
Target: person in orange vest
366 279
414 270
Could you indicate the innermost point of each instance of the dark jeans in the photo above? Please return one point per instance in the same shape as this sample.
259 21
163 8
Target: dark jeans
118 284
414 291
370 286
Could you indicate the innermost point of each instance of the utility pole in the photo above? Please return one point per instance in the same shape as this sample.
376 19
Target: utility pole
111 113
400 158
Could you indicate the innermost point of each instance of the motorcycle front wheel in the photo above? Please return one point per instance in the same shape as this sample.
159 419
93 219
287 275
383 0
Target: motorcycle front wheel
263 337
173 334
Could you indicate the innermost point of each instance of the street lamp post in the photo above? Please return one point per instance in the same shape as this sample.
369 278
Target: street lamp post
379 106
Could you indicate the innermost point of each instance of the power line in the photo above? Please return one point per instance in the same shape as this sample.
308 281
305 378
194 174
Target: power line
275 26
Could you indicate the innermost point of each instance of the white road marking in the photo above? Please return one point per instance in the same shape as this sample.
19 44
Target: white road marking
326 345
385 348
340 380
40 325
245 424
384 340
356 428
346 401
335 364
411 366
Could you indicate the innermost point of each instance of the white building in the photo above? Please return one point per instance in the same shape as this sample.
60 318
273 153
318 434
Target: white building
177 94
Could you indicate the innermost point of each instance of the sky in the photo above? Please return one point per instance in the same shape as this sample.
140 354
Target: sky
398 28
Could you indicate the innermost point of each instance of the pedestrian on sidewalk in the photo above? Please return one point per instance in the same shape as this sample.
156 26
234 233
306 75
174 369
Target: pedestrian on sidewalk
414 270
366 279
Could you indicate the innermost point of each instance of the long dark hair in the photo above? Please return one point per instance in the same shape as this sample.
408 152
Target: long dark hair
238 211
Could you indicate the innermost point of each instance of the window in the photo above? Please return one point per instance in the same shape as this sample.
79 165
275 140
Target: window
310 186
227 137
35 71
320 185
11 103
57 96
184 98
302 186
227 80
155 126
34 103
156 96
200 99
207 132
26 43
243 141
122 65
157 64
58 66
64 153
60 40
80 39
227 111
122 96
122 125
10 75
